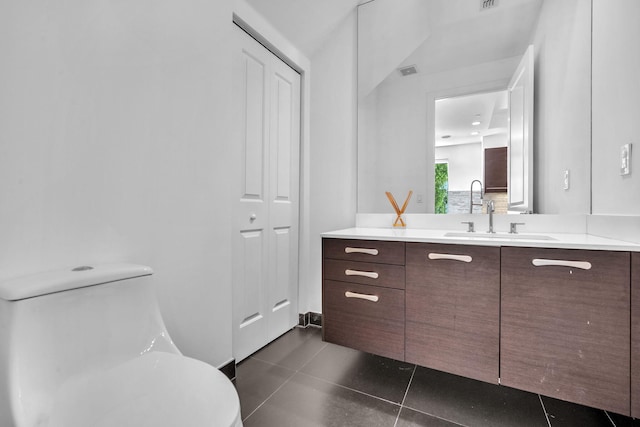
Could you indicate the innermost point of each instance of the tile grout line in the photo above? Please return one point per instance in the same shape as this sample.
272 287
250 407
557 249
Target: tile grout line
546 415
402 405
348 388
610 420
435 416
269 397
312 357
294 372
405 395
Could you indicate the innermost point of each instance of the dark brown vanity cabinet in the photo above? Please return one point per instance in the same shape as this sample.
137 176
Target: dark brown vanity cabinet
635 335
565 325
453 308
363 297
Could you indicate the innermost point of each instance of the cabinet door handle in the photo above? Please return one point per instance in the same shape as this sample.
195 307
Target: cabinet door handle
369 274
372 298
463 258
584 265
349 250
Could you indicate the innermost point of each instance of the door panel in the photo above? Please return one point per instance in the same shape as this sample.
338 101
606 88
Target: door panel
281 295
284 115
284 188
265 249
520 148
254 130
252 249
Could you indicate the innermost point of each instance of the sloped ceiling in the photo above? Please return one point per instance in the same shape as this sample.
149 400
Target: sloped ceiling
433 35
462 35
305 23
388 31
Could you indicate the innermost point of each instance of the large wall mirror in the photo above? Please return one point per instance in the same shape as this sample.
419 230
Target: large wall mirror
443 108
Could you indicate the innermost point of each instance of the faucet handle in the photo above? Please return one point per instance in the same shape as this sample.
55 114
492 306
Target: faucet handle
470 229
513 227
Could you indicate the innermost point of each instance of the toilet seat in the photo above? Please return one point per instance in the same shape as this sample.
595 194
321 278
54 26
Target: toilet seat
156 389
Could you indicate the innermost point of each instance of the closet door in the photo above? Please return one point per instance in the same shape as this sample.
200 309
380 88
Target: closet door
266 185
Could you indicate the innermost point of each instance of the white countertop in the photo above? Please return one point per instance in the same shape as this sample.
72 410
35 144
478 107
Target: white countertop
538 240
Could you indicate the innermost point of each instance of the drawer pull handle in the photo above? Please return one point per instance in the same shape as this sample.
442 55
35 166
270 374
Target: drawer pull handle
369 274
584 265
349 250
372 298
463 258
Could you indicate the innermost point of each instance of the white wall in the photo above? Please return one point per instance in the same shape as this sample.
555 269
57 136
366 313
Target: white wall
616 91
113 147
389 30
333 149
562 132
561 136
398 155
465 164
495 140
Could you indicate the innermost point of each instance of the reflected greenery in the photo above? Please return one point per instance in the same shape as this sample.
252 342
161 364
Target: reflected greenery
442 188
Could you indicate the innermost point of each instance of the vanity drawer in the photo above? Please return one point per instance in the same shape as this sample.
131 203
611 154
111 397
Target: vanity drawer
375 327
565 325
386 275
364 250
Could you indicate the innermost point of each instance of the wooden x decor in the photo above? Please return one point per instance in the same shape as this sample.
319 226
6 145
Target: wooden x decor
399 222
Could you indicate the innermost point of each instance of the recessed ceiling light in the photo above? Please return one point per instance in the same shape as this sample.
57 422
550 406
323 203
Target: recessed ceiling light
476 123
474 133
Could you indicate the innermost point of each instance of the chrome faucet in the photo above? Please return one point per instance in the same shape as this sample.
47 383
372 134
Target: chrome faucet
471 204
491 207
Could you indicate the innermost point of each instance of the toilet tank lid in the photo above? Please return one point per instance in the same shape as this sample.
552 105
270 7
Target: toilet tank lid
72 278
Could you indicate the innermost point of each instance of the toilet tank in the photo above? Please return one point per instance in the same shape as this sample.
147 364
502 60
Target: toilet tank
60 326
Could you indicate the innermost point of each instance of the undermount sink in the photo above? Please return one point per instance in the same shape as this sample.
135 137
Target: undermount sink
500 236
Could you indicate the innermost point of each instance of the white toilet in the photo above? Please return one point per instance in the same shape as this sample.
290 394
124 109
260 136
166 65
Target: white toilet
88 347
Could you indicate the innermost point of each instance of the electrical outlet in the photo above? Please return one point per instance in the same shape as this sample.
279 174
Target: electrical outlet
566 179
625 159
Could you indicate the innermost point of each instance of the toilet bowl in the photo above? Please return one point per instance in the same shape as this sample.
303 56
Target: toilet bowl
88 347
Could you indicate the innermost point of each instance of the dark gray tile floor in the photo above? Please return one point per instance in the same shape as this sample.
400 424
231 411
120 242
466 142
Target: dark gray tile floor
299 380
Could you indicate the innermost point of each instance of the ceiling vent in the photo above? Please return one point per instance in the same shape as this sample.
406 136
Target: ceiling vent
488 4
407 71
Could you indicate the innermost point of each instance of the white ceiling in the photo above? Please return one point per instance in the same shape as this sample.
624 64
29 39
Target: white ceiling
305 23
463 35
454 117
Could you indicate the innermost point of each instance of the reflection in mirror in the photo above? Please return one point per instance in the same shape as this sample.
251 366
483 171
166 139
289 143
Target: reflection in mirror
520 141
414 52
471 139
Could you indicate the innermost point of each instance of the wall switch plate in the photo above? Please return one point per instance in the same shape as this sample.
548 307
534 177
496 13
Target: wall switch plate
625 159
419 198
566 179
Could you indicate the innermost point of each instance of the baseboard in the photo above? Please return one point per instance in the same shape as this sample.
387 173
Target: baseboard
229 369
310 319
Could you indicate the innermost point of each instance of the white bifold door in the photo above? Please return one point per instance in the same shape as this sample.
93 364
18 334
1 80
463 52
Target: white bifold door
265 235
